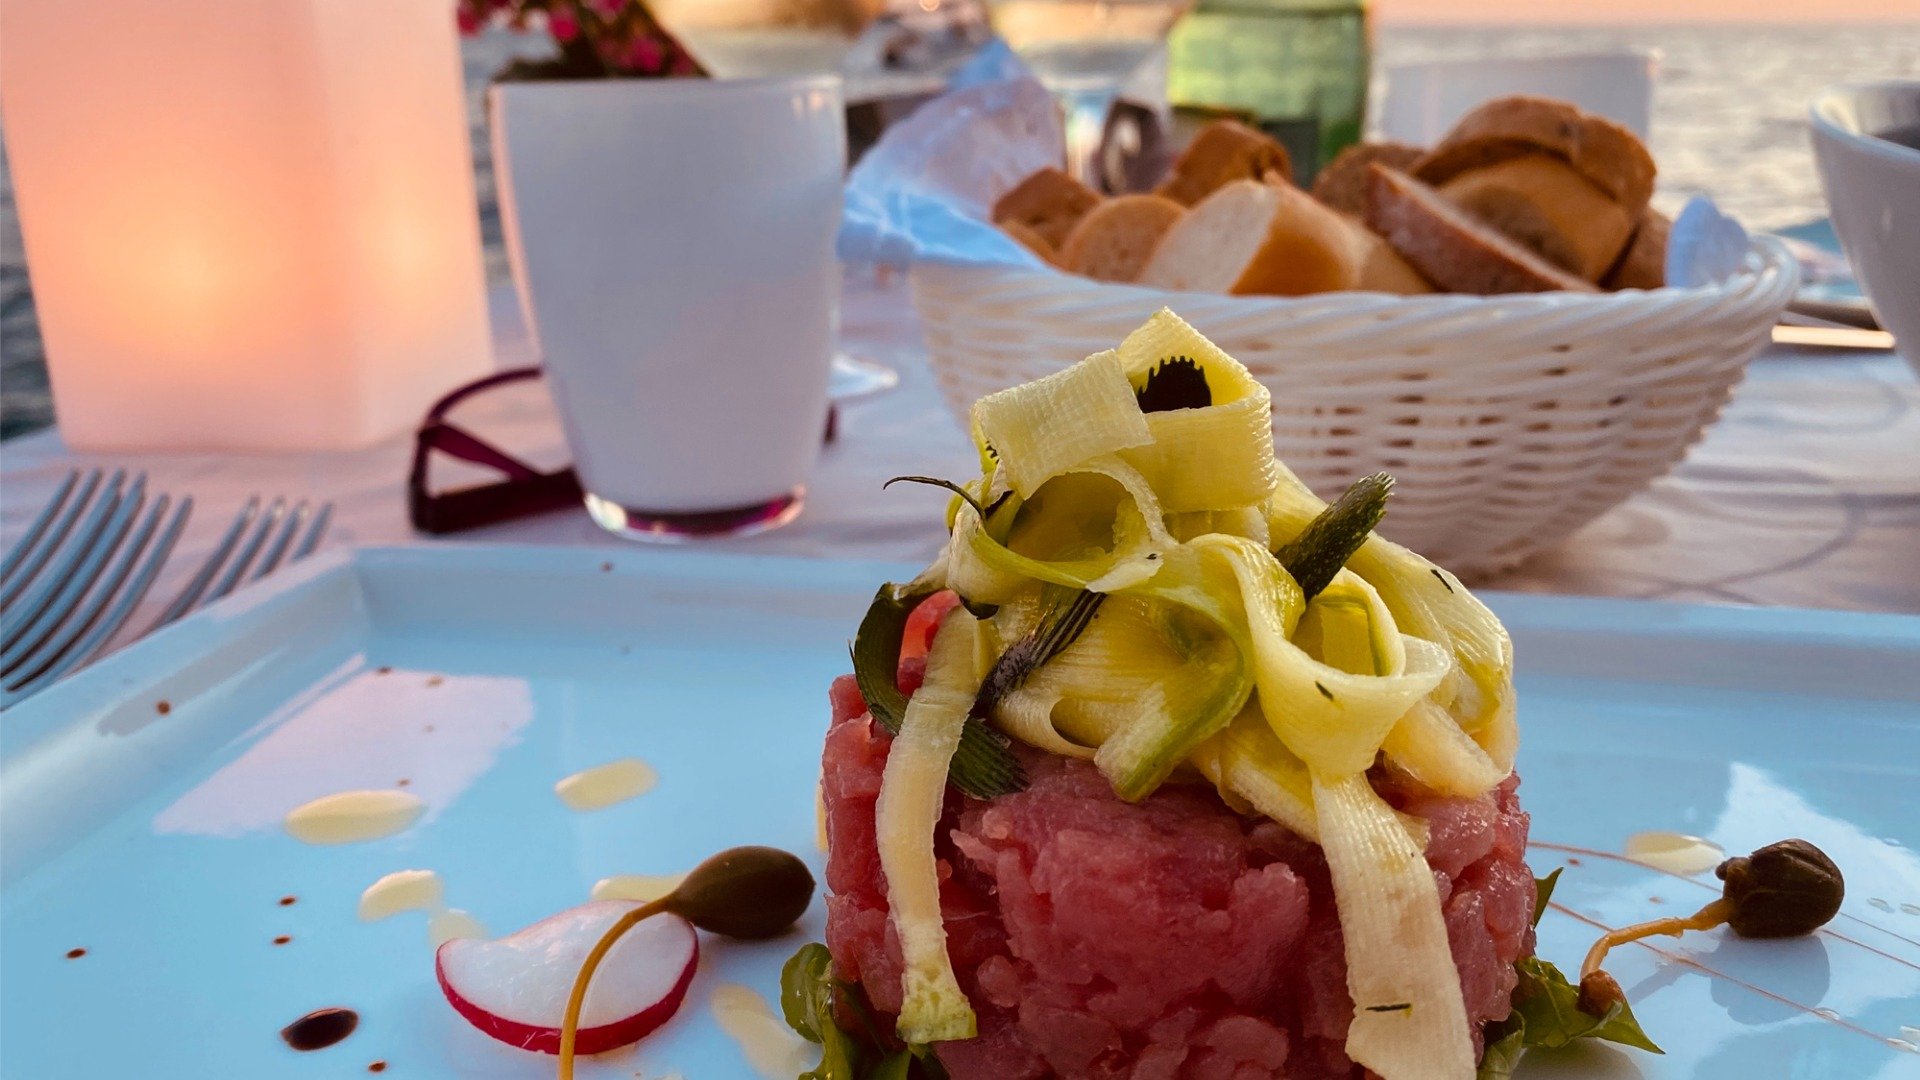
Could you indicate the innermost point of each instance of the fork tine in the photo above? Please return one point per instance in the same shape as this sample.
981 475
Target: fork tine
237 569
56 651
18 555
314 532
23 612
190 595
29 565
76 577
282 540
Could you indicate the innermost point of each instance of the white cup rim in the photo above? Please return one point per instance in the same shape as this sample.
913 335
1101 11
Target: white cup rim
771 85
1820 116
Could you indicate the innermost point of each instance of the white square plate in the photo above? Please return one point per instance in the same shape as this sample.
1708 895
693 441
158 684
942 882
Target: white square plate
151 836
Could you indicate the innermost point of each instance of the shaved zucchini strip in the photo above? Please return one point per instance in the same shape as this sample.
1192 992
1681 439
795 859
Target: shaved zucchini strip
1215 458
1040 429
1436 752
912 793
1246 761
1409 1020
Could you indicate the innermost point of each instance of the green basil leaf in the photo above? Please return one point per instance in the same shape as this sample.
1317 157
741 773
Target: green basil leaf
806 990
808 994
1506 1042
1543 892
1549 1006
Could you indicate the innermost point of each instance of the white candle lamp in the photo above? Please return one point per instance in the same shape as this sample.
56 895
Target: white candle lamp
249 224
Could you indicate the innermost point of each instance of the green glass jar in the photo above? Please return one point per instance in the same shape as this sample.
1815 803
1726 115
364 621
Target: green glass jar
1296 68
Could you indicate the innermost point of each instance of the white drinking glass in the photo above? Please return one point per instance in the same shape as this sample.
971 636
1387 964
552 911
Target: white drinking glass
1424 100
672 242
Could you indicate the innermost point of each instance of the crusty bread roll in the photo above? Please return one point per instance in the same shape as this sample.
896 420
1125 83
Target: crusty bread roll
1223 151
1540 202
1115 239
1031 240
1452 249
1343 183
1644 264
1049 203
1602 151
1257 238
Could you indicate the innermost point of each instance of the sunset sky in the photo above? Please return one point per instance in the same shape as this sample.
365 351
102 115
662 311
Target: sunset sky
1638 11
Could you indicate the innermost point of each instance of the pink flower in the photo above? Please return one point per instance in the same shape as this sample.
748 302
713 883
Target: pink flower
562 24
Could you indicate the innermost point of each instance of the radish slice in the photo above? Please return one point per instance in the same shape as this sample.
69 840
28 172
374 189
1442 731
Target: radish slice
515 988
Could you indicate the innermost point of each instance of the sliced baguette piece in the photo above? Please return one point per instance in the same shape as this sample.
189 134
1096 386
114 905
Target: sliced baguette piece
1049 203
1449 247
1032 241
1222 152
1272 239
1644 264
1539 201
1607 154
1343 183
1115 239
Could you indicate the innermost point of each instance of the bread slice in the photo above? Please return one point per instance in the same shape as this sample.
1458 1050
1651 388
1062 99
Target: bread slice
1032 241
1539 201
1272 239
1223 151
1607 154
1644 264
1049 203
1451 248
1115 239
1343 183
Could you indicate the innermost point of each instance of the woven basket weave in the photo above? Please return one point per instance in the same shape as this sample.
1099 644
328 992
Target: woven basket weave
1509 421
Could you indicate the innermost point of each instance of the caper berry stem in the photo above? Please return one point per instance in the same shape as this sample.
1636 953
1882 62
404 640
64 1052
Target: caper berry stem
1714 914
570 1024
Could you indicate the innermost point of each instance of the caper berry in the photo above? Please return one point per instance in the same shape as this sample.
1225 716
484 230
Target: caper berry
744 892
1782 890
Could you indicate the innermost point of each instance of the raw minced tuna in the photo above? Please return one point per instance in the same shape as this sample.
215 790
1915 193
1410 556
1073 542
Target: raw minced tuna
1171 939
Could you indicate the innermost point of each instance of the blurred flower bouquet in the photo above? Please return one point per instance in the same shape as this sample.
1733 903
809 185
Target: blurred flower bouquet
596 39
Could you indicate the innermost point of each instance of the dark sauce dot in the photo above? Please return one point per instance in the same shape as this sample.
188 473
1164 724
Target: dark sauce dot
606 568
289 901
282 939
402 782
75 954
1571 861
163 707
435 681
320 1029
383 670
378 1066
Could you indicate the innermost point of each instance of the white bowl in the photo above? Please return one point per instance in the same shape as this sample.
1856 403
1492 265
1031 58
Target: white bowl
1510 421
1873 194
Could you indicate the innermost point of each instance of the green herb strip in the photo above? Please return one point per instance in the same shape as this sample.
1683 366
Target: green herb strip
1060 626
1331 538
983 766
934 481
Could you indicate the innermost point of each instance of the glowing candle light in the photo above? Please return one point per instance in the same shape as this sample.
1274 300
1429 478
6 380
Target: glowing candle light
249 225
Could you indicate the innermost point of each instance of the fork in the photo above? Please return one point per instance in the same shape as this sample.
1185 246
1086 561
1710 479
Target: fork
64 594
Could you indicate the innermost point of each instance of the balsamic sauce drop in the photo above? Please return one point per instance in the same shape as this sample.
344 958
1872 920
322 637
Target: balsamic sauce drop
320 1028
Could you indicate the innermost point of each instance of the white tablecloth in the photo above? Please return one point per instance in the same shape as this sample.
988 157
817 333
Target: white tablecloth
1806 494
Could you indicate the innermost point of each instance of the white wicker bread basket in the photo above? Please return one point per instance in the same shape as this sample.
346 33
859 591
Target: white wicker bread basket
1509 421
